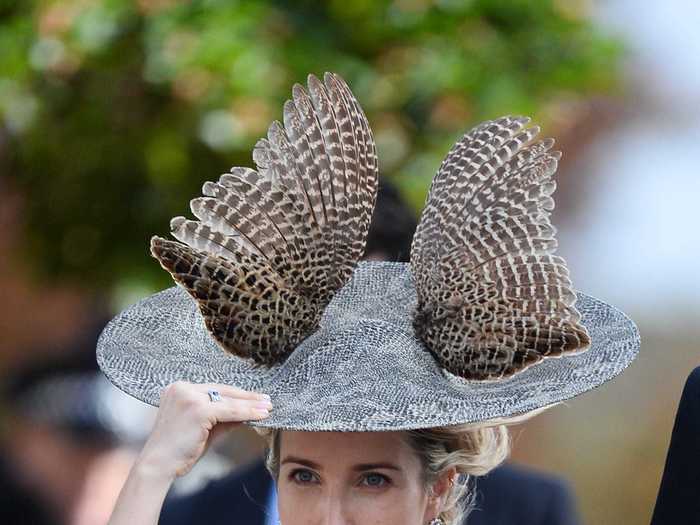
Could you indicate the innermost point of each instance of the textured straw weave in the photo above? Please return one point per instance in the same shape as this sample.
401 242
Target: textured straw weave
363 370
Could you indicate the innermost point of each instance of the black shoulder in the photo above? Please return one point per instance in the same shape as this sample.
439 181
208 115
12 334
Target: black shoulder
677 500
518 478
243 493
692 385
519 494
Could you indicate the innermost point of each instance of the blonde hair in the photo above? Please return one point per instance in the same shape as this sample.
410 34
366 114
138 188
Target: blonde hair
472 449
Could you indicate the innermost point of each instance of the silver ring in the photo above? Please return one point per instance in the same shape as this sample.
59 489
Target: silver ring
214 396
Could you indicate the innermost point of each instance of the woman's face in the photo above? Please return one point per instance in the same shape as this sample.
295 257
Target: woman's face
351 478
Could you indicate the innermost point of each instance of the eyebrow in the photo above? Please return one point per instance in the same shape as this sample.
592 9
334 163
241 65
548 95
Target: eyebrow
359 468
375 466
301 461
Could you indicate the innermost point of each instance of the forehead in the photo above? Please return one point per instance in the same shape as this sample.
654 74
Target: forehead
349 447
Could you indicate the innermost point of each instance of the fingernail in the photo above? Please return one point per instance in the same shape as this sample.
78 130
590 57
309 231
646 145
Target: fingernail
263 404
262 412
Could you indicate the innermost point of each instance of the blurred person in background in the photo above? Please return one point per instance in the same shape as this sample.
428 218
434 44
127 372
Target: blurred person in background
61 459
510 494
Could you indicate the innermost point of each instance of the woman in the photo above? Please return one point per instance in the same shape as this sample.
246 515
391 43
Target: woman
390 382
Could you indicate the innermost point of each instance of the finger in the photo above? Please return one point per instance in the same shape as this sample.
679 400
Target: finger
236 410
231 391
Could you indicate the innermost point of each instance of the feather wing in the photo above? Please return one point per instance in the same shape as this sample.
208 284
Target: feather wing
271 246
493 299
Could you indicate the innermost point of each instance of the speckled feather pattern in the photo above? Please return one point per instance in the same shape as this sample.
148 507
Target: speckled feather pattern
271 246
493 299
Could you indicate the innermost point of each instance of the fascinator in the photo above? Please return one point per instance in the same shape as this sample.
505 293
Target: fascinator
483 322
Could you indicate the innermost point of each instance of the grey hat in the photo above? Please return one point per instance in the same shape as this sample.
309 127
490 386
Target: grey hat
482 324
364 369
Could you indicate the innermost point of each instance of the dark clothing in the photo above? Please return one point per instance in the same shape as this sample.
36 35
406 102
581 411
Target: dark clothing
515 495
678 502
507 496
239 498
20 504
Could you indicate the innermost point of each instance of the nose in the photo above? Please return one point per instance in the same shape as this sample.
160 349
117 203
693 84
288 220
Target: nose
336 511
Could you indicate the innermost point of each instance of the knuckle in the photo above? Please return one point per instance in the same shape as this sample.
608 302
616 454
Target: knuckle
176 389
199 410
235 409
186 401
243 411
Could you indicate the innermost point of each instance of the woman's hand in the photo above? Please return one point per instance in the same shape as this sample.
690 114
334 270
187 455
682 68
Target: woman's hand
187 418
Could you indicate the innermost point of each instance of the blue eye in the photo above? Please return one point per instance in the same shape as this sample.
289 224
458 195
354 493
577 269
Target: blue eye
303 476
375 480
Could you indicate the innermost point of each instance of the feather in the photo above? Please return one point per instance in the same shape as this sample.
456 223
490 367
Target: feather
493 299
272 245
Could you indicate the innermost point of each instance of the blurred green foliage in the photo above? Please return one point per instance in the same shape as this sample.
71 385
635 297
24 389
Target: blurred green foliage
113 112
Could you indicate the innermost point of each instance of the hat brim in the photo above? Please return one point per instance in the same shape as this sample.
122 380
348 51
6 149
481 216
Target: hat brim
363 370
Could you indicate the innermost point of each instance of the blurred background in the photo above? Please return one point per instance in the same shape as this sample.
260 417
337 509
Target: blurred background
114 112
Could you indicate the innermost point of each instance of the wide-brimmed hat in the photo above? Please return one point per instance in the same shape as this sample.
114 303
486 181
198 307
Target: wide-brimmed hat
483 323
364 369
